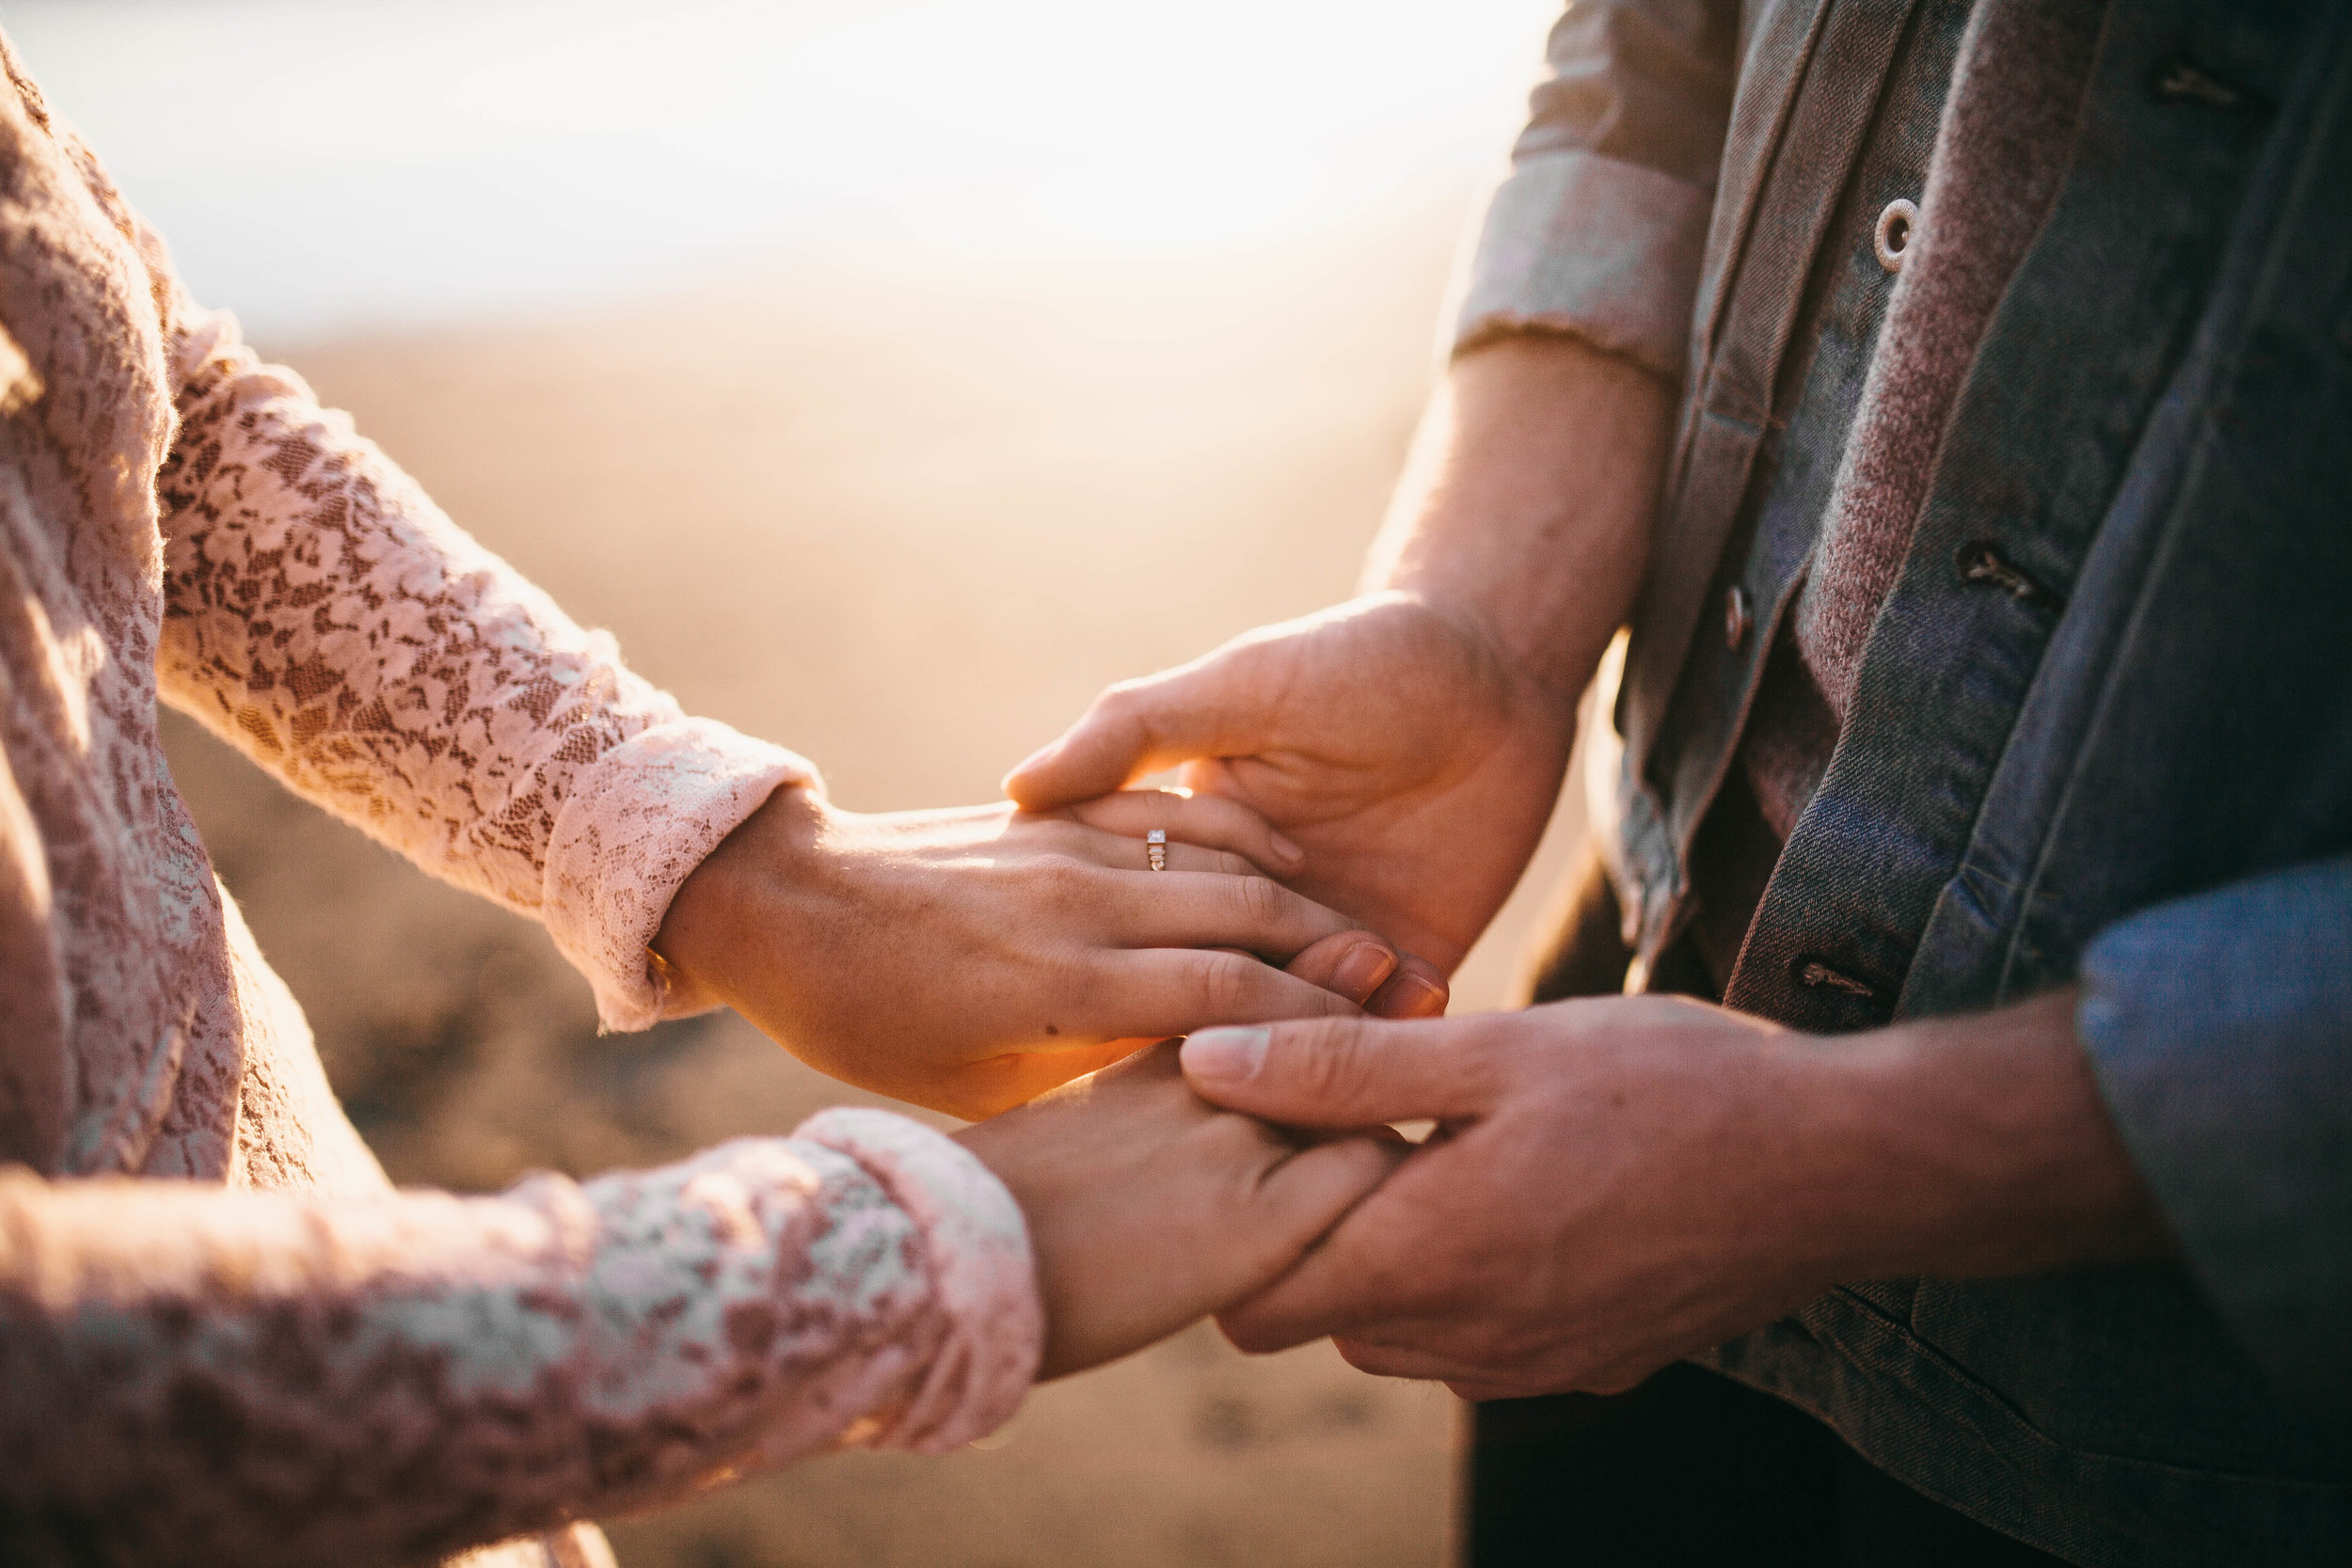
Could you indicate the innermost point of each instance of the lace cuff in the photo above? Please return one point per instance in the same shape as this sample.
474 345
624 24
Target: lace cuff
982 1273
637 823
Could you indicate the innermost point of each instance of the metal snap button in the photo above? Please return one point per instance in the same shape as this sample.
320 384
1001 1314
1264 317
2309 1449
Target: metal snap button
1898 225
1738 618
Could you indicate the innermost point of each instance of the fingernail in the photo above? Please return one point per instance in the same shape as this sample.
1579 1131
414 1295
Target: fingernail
1420 998
1282 846
1223 1055
1360 974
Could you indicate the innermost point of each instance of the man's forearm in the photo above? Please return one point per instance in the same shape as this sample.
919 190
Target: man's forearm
1527 502
1966 1148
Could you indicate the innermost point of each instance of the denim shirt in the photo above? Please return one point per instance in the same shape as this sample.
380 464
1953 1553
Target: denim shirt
2128 764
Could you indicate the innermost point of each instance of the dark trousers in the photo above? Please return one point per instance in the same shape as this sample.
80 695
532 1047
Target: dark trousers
1691 1471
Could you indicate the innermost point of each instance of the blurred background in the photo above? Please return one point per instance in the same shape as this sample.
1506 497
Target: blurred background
889 376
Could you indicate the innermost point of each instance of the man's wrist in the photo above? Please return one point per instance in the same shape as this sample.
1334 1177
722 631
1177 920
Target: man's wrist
1968 1147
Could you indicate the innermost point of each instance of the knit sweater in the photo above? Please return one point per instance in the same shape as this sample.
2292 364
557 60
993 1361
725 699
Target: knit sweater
2001 148
272 1358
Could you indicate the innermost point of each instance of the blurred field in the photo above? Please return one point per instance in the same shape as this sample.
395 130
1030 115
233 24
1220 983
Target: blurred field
908 523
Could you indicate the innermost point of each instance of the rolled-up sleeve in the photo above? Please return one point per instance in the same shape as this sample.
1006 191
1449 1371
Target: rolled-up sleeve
1596 231
2222 1028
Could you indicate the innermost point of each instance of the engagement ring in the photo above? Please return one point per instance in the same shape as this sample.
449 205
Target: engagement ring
1155 848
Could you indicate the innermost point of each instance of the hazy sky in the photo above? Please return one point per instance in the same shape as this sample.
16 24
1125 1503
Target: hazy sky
323 163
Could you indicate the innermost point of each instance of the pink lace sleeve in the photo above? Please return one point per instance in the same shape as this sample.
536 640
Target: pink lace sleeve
286 1380
327 619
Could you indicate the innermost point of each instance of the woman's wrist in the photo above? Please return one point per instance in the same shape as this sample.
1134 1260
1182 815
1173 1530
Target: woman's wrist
729 900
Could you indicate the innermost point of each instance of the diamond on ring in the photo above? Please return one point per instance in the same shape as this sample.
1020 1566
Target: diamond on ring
1155 848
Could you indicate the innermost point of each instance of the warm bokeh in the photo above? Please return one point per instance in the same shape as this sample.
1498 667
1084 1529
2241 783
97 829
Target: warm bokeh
888 377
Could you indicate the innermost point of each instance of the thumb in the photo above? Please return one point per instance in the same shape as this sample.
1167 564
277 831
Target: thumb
1133 728
1340 1071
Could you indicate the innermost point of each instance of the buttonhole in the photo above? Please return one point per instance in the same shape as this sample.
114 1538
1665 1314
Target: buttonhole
2181 80
1982 561
1813 975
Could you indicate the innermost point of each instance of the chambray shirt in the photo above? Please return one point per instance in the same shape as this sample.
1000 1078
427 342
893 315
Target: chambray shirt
2136 777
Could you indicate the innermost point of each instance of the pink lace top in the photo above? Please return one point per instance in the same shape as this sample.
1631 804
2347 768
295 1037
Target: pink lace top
278 1358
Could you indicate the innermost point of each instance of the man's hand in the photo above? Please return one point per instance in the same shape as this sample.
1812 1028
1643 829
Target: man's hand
1393 742
1620 1183
968 960
1413 740
1149 1208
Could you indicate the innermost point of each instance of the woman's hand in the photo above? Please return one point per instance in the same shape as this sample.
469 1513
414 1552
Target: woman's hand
1149 1208
970 959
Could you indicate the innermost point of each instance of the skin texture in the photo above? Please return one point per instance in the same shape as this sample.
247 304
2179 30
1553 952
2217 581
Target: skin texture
1149 1207
970 959
1676 1174
1412 740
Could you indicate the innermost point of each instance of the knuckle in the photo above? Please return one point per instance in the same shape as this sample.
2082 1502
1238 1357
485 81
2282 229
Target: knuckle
1124 705
1263 903
1329 1057
1067 881
1224 980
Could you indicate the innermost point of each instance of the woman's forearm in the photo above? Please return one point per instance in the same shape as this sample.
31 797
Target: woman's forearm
327 619
197 1374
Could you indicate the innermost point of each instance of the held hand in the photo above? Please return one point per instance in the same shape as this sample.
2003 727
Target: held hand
1149 1208
968 960
1619 1182
1412 761
1595 1203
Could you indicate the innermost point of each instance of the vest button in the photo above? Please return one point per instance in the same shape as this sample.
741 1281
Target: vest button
1899 225
1738 618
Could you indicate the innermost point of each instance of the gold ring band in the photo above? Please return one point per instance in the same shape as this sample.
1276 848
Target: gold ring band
1155 848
